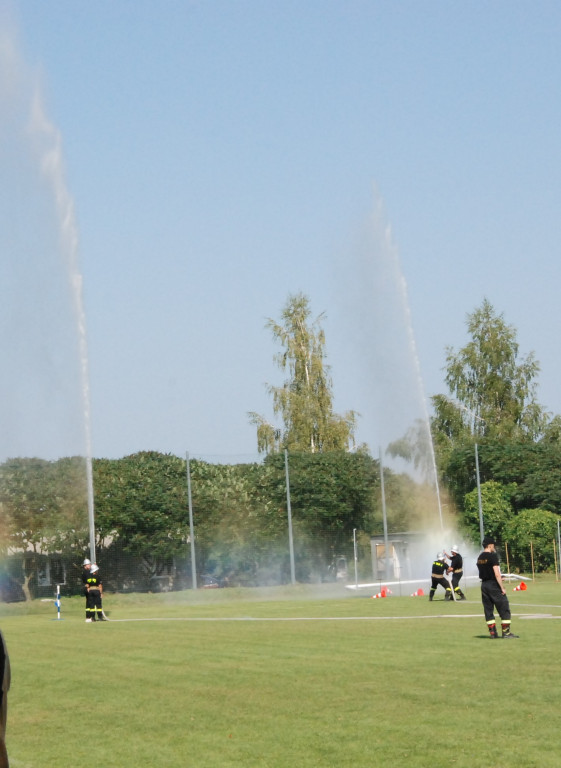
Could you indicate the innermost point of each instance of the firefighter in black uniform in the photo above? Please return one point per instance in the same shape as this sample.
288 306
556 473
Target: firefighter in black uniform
493 593
94 586
439 568
86 565
4 688
456 568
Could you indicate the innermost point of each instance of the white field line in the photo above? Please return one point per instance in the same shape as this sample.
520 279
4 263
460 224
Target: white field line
336 618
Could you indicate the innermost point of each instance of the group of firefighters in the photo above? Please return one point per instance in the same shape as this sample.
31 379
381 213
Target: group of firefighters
440 568
92 590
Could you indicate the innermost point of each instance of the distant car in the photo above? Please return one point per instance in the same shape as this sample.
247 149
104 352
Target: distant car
209 582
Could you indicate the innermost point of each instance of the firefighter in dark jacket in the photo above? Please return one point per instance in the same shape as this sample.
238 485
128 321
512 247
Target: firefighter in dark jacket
456 568
439 568
4 688
94 586
493 593
86 565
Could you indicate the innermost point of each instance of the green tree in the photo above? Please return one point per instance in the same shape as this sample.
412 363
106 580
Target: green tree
237 526
141 513
331 494
493 390
305 400
535 527
43 509
497 510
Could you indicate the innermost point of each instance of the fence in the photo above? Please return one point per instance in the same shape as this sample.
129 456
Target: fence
530 558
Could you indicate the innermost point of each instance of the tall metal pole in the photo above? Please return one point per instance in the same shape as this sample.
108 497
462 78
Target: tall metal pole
481 528
356 557
384 517
289 513
559 546
191 527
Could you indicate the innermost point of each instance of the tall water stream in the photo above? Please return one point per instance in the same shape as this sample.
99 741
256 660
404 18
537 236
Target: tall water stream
44 389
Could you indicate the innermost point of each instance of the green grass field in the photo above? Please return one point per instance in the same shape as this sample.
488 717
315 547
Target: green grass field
289 677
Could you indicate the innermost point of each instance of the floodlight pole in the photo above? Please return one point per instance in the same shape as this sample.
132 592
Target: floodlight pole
481 528
289 513
478 418
384 517
356 557
191 527
559 546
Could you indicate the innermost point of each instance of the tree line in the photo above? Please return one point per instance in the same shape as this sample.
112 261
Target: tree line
240 510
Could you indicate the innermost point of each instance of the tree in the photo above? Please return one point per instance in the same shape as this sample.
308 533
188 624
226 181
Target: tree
237 526
141 513
492 402
538 526
43 509
493 390
331 494
305 400
497 510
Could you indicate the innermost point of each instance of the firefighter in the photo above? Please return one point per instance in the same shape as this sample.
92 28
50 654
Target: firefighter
4 688
456 568
94 586
86 565
439 568
493 594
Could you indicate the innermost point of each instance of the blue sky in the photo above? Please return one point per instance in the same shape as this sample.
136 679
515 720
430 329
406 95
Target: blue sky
222 155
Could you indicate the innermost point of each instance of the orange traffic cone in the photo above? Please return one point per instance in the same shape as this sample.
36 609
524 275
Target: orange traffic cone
384 592
523 586
420 592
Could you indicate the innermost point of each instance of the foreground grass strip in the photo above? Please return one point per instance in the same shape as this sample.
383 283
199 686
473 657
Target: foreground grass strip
420 691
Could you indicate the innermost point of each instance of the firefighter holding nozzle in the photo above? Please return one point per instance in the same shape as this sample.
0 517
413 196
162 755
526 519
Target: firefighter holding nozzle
456 568
438 577
94 586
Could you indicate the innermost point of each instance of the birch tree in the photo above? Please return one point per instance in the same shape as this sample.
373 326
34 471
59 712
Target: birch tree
493 389
304 401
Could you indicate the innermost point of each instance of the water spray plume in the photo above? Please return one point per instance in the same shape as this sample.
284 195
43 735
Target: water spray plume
382 357
53 169
46 399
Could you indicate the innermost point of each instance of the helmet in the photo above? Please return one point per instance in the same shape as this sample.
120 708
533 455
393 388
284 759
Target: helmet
87 562
438 557
94 568
455 549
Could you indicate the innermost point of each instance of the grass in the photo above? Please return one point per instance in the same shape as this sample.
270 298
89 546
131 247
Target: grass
290 677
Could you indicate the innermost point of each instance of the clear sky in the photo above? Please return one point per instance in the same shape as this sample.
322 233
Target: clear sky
224 154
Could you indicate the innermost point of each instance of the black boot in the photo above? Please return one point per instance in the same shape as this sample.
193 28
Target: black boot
493 631
507 634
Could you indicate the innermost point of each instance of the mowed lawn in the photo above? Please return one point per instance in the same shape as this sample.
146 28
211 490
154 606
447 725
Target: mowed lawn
281 678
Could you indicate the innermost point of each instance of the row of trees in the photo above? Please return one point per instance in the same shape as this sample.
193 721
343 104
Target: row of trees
240 515
240 510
